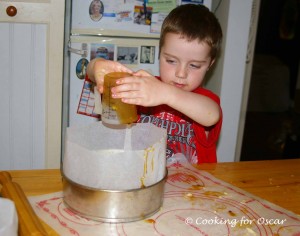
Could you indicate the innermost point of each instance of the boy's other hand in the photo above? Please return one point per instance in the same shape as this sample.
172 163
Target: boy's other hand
140 89
99 67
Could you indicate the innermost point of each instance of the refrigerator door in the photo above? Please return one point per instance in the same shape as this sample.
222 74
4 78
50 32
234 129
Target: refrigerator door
135 53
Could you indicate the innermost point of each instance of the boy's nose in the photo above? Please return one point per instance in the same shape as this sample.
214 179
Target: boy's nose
181 72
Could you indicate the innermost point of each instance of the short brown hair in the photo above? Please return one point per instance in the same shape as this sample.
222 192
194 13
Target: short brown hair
193 22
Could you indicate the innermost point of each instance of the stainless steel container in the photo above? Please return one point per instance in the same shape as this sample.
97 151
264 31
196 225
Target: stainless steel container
112 205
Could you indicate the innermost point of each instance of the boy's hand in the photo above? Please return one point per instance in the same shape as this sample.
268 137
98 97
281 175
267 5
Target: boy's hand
141 89
98 67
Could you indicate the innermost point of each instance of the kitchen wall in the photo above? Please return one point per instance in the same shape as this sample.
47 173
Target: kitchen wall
231 76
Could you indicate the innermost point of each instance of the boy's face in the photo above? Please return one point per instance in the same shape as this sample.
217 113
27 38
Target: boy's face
184 63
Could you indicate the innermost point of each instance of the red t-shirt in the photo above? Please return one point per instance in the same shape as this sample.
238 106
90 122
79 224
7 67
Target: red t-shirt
184 135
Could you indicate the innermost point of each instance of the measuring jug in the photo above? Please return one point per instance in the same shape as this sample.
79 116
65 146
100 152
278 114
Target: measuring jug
114 111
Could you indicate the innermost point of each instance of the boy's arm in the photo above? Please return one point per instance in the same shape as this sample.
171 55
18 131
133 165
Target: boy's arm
198 107
149 91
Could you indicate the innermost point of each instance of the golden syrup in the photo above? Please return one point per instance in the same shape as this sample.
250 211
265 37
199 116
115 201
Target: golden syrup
151 221
231 213
143 182
214 193
146 155
196 187
114 110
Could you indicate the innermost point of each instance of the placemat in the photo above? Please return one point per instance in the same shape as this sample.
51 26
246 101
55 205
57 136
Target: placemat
195 203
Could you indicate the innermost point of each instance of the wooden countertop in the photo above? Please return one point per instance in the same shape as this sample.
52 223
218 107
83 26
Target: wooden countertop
277 181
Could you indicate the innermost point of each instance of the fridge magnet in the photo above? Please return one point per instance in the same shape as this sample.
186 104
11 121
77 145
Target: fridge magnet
164 6
147 54
123 16
105 51
142 15
86 105
127 55
196 2
96 10
156 21
81 68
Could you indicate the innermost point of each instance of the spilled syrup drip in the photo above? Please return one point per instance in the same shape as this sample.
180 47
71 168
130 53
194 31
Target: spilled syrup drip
146 155
151 221
231 213
214 193
196 187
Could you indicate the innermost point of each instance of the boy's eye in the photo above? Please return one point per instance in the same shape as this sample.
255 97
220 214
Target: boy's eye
195 66
170 61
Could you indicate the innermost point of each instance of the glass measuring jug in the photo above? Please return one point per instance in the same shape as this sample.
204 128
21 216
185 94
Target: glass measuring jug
114 111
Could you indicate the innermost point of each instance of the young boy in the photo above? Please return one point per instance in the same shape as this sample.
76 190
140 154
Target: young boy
190 41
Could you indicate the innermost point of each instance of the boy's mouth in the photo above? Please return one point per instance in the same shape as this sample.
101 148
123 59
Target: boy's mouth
179 85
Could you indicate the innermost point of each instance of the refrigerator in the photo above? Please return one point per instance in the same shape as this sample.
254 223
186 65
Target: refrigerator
126 31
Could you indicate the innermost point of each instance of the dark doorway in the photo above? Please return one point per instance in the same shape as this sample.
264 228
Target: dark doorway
272 126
